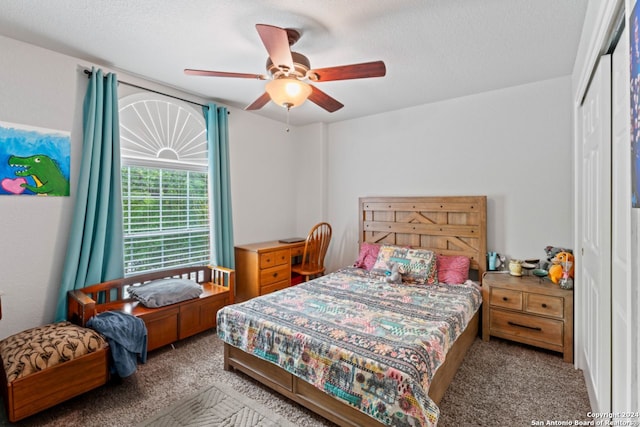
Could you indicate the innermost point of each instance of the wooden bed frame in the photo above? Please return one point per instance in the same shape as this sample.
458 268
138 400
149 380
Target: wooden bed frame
447 225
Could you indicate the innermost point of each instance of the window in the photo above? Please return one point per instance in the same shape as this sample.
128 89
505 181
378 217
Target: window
165 193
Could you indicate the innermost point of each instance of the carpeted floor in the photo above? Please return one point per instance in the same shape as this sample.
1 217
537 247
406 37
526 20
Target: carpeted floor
499 384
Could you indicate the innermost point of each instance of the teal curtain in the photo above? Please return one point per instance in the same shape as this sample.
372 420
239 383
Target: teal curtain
95 246
220 185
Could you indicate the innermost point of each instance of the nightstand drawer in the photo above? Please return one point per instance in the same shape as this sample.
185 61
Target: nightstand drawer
274 274
527 327
506 298
544 304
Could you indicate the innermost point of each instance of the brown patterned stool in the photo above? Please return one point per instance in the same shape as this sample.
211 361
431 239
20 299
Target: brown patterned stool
44 366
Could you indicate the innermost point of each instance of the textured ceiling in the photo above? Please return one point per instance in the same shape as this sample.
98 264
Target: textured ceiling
433 49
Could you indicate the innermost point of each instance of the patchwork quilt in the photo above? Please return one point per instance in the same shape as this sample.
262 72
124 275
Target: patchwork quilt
373 345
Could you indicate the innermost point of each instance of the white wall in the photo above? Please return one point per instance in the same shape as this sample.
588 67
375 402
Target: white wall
37 88
311 176
42 88
263 178
513 145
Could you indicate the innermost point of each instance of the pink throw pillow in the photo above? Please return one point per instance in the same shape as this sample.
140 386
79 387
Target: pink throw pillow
368 255
453 269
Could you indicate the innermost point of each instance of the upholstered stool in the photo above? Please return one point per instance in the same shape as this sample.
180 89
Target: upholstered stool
44 366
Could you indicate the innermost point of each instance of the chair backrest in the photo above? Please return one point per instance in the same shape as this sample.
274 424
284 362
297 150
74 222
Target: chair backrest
315 247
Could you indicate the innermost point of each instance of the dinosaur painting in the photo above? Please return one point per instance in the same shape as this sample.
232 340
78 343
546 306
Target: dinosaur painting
45 173
34 161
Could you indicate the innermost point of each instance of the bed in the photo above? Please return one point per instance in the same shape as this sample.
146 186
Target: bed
356 349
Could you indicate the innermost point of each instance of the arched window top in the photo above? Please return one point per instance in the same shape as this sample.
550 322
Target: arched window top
159 131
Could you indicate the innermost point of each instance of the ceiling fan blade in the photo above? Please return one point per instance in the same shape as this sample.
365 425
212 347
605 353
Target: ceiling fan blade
259 103
209 73
323 100
346 72
276 42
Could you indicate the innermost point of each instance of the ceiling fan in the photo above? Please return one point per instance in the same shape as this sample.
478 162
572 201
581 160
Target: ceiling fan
288 71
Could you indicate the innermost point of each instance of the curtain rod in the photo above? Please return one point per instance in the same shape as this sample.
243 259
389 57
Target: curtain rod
88 73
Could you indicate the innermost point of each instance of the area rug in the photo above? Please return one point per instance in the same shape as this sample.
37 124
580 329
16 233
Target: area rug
217 405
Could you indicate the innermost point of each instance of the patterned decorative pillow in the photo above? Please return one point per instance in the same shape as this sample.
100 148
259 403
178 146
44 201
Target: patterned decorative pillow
416 265
388 254
419 267
368 255
453 269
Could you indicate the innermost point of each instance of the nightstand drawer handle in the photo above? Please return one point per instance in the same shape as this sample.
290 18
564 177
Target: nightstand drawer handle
275 274
505 299
544 305
535 328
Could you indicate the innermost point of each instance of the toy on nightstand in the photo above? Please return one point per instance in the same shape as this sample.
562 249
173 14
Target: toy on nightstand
393 273
561 270
551 252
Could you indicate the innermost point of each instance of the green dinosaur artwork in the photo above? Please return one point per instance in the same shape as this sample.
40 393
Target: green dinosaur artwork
45 172
34 161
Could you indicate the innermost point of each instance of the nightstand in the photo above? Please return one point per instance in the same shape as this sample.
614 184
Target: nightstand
528 309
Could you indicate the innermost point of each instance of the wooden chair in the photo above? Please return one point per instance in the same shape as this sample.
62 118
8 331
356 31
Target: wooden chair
315 249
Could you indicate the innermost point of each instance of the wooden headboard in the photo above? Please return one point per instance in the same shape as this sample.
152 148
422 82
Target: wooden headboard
455 225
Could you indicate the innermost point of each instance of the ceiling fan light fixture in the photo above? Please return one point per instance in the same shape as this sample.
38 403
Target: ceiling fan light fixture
288 92
287 71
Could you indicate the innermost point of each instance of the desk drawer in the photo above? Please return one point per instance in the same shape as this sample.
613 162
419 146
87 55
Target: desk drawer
283 257
267 259
274 274
274 287
273 258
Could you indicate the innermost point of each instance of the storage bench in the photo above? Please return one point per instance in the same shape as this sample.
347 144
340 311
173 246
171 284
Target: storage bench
167 324
44 366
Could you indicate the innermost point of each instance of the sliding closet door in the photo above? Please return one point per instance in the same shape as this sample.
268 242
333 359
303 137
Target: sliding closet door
593 273
623 394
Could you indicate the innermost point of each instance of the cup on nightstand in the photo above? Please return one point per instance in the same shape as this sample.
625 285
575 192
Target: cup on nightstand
515 267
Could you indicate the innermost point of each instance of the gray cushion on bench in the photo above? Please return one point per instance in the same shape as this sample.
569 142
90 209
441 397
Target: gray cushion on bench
159 293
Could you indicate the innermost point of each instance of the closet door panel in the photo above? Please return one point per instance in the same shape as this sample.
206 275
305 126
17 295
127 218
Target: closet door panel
622 332
593 273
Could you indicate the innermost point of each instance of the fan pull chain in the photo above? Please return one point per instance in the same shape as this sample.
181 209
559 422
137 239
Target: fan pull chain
288 107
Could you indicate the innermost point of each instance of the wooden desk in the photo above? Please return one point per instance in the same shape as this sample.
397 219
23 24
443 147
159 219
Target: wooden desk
264 267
